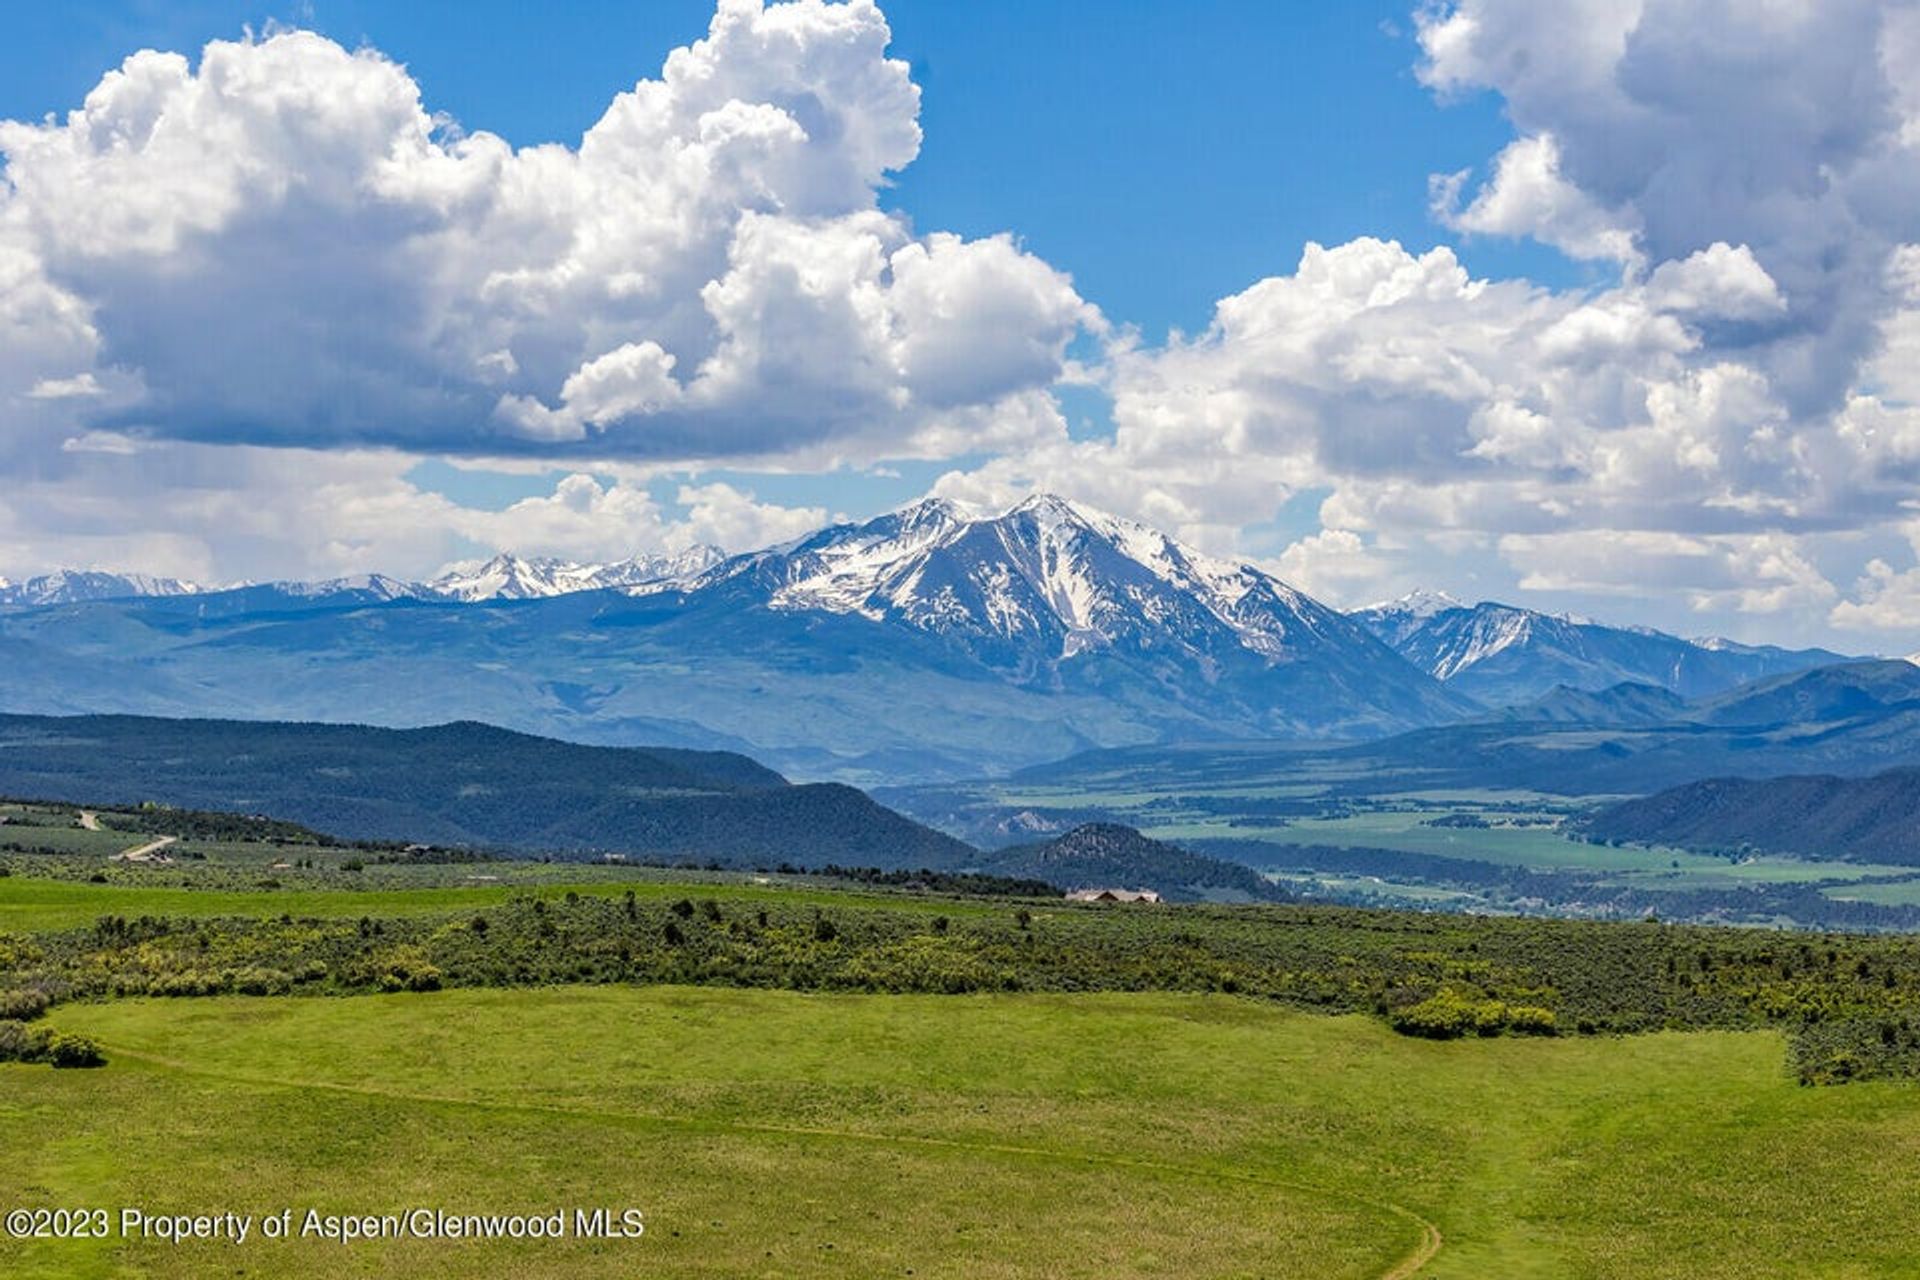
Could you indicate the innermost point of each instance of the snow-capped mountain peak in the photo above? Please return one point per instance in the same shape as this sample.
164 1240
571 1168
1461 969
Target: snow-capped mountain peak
1418 603
1049 576
505 577
1098 629
511 577
1395 621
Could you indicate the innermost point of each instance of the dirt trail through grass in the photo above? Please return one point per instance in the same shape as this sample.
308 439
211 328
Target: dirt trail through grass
143 851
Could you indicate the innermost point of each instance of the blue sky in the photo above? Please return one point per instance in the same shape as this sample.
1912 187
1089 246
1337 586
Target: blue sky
1650 357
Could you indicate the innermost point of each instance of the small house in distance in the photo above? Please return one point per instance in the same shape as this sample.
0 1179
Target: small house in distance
1113 895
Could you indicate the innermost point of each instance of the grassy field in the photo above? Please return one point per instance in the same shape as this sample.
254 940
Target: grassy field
1408 830
777 1134
30 904
1901 893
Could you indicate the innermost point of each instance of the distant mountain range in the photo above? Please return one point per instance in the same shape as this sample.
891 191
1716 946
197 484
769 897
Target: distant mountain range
508 577
1851 719
1502 655
504 577
926 644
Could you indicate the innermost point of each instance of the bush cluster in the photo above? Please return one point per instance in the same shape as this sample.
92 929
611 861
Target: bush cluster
22 1043
1451 1014
1430 975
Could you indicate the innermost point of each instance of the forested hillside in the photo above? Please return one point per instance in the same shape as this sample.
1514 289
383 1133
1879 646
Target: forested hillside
1867 819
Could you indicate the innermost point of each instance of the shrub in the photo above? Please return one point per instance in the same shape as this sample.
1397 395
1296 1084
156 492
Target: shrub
65 1050
1445 1016
1531 1020
22 1043
23 1004
1450 1014
262 982
411 977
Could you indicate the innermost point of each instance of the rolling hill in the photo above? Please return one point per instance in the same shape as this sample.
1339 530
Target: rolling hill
469 784
1630 703
1107 855
1875 818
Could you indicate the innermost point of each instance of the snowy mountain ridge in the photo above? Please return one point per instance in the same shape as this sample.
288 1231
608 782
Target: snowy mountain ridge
512 577
68 586
504 577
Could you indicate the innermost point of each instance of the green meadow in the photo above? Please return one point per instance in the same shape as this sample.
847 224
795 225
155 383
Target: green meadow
30 904
767 1133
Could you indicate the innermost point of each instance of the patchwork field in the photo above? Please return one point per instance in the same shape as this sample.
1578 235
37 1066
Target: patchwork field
1485 849
780 1134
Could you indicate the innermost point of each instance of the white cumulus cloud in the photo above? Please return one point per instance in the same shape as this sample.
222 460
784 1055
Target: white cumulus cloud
281 245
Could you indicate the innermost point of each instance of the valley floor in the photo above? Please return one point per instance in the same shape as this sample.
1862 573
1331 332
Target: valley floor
770 1133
